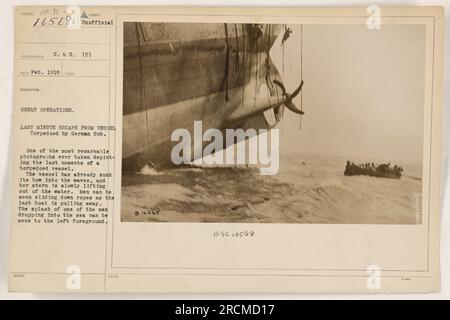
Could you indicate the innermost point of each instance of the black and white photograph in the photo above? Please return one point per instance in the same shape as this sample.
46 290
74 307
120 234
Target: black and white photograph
273 123
229 151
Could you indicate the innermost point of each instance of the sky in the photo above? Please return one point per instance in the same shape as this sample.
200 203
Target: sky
363 92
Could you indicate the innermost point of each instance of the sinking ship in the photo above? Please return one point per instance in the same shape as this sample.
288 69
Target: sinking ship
178 73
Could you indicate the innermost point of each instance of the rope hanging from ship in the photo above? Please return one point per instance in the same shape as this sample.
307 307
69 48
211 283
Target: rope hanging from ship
138 26
276 88
301 73
237 48
257 35
243 65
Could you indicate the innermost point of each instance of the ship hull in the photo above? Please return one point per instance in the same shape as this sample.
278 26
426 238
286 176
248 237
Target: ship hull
174 78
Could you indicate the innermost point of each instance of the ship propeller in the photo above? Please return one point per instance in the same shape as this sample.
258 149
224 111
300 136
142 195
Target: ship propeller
289 97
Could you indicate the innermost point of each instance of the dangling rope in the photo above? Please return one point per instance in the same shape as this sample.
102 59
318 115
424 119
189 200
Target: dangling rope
138 26
237 48
301 72
282 45
257 62
276 78
250 59
290 57
227 61
267 65
243 65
